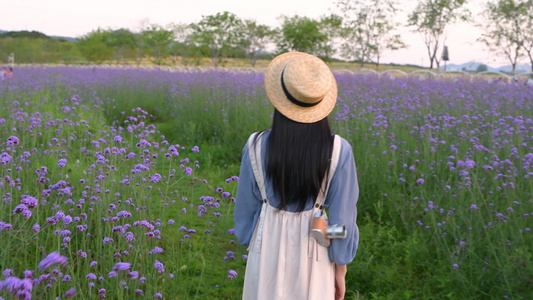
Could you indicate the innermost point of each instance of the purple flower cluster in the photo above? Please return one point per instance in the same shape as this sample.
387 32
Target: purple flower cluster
51 259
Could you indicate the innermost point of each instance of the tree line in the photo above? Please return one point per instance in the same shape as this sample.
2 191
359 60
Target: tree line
358 30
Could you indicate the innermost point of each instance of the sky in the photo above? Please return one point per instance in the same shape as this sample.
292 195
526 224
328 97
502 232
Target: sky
75 18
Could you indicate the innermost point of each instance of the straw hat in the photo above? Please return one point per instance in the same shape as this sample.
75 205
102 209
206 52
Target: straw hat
301 87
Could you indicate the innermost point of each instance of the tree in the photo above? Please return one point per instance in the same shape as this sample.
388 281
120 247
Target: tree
255 38
123 43
527 30
142 24
219 33
445 56
481 68
95 46
368 29
183 47
503 28
331 26
301 34
431 17
158 40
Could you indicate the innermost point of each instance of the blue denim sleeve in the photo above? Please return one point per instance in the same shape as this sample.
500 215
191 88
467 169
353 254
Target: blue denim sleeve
342 206
247 201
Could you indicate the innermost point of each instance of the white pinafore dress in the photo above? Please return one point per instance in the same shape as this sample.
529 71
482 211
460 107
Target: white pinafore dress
284 261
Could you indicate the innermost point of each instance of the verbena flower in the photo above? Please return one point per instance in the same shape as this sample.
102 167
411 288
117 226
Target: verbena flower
52 259
122 266
12 140
133 274
188 171
139 292
8 272
159 266
70 293
112 274
156 250
232 274
12 284
62 163
107 240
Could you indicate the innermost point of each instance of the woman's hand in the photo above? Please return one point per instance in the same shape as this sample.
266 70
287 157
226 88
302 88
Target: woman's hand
340 282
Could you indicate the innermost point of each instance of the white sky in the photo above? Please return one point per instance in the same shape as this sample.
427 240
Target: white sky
75 18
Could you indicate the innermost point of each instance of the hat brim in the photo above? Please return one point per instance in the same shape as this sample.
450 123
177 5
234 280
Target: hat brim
280 101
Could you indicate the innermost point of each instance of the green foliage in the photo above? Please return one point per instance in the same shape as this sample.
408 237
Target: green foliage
123 44
301 34
220 33
36 50
332 26
219 36
255 38
190 53
158 41
368 29
101 45
373 270
96 45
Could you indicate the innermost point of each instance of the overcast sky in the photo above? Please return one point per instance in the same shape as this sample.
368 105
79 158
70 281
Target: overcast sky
75 18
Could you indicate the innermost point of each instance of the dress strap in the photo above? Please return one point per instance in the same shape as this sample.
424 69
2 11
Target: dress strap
321 198
254 150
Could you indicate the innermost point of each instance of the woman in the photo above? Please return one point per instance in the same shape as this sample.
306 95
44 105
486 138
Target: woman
286 178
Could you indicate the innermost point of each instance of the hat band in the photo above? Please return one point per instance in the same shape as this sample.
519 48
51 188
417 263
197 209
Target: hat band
294 100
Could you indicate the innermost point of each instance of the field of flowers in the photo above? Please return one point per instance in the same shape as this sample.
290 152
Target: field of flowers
119 183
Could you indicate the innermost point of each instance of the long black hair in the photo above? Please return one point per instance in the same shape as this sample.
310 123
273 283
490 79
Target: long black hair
297 159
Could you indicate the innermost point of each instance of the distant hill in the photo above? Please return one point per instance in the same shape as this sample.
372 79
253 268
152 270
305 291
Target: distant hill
523 68
24 33
70 39
33 35
473 66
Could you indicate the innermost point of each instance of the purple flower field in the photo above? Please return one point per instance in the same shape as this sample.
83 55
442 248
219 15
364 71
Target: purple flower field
104 211
119 183
448 163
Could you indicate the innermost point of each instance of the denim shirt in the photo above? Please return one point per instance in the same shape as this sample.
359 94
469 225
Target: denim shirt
340 202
